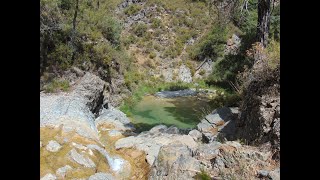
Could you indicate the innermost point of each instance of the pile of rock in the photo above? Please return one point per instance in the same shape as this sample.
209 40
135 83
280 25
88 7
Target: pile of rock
151 141
219 124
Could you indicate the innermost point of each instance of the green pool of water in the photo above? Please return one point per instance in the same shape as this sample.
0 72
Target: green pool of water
183 112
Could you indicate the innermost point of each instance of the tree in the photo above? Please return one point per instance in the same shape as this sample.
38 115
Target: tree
264 14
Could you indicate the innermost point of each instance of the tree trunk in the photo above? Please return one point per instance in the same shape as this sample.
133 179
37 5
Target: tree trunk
74 23
263 21
75 16
43 54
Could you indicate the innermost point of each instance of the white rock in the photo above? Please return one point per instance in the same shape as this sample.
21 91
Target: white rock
53 146
63 170
114 133
101 176
81 159
196 135
49 177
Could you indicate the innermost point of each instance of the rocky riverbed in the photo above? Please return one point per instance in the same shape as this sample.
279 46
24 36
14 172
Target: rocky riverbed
80 139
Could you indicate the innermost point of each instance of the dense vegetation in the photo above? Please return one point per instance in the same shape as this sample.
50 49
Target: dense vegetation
79 33
91 36
242 22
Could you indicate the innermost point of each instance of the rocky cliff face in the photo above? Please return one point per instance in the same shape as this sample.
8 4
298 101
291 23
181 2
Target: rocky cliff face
70 143
259 120
74 110
73 142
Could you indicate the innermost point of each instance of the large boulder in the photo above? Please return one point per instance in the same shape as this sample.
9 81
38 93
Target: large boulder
231 160
259 120
53 146
116 118
74 110
174 162
61 172
151 141
185 74
81 159
219 124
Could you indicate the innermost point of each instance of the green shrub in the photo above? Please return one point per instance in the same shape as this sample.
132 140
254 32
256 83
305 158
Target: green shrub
152 55
129 40
211 45
273 54
157 46
57 85
203 175
174 50
140 29
157 32
102 53
110 29
191 67
156 23
133 9
150 64
202 72
61 56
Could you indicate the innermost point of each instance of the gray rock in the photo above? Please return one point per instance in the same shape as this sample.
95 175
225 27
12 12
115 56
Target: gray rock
158 129
173 94
190 41
63 170
233 143
196 135
275 174
172 130
185 167
81 159
101 176
214 119
53 146
114 133
115 117
206 152
151 141
185 74
223 119
209 137
263 173
167 75
174 162
78 71
115 163
219 163
222 114
74 110
49 177
259 120
233 45
79 146
205 126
